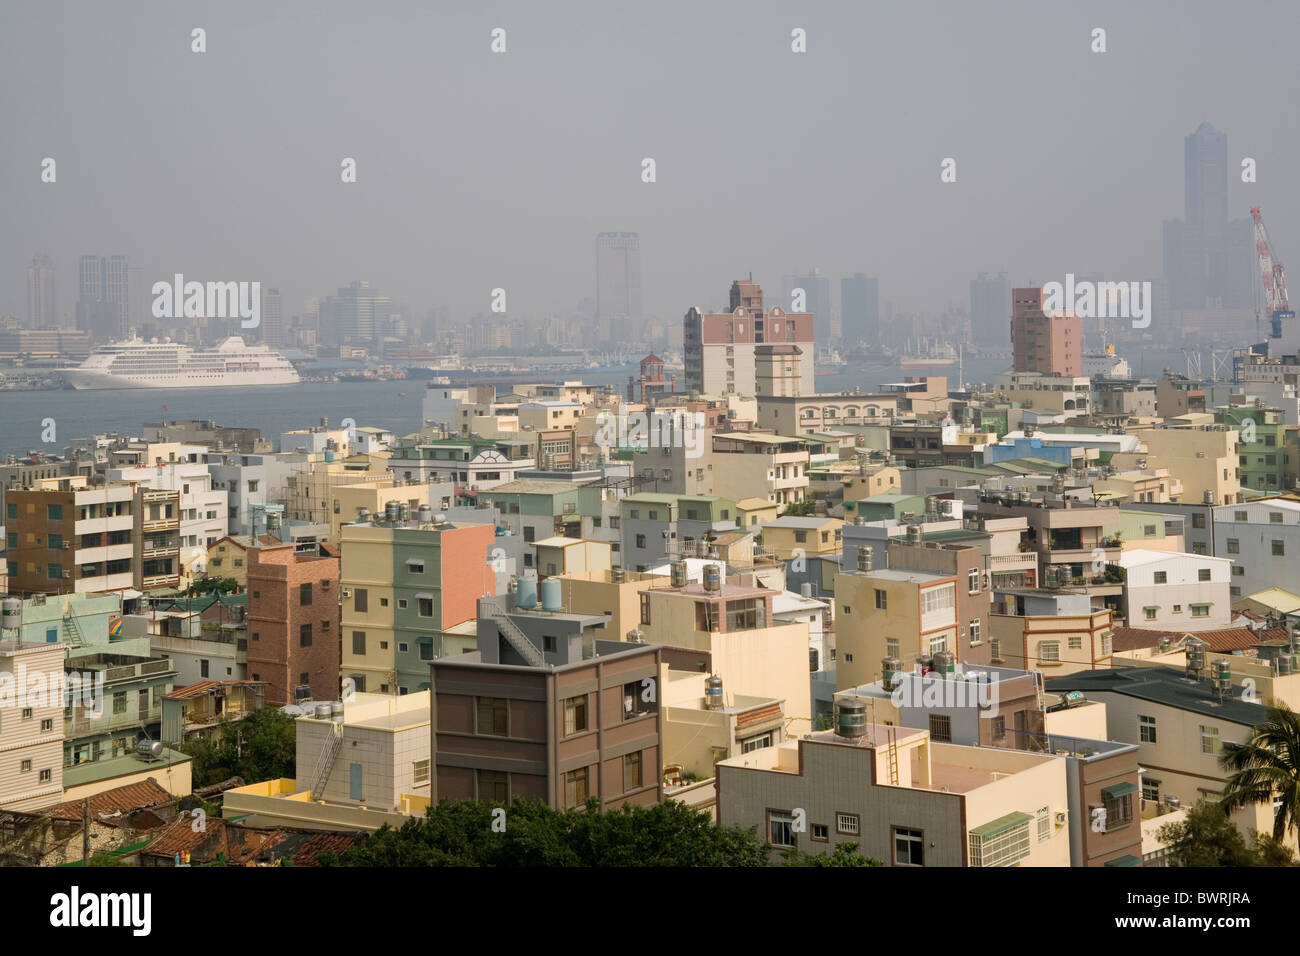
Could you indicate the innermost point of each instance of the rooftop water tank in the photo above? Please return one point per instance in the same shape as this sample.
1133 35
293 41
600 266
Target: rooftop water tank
551 595
865 556
850 718
11 613
616 576
945 663
526 593
712 577
891 670
713 693
392 511
323 711
426 514
677 571
805 590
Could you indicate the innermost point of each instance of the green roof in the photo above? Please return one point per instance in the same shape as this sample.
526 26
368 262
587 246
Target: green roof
1001 825
1119 790
1128 859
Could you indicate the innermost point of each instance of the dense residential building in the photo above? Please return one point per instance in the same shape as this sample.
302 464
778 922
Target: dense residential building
406 586
1187 591
720 347
293 624
1050 344
1261 539
547 708
31 763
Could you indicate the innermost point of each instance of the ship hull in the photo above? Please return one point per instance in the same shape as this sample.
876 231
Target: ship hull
90 380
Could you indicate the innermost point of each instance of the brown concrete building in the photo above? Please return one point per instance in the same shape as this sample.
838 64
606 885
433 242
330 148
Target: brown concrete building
546 708
720 348
974 595
293 624
1051 344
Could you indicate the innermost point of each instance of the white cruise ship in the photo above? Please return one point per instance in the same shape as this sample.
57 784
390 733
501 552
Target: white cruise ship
140 364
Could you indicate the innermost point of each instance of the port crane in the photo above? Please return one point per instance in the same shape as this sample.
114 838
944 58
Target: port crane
1275 298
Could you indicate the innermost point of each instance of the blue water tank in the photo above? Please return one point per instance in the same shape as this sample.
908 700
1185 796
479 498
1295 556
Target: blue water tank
526 595
551 595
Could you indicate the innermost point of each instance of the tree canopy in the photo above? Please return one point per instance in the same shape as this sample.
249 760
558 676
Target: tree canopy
258 747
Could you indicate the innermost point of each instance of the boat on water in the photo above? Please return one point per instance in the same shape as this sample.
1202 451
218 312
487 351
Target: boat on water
139 364
928 356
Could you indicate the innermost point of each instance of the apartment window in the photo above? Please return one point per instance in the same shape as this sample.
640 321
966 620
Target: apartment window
1005 847
420 771
909 847
780 828
1274 517
998 728
359 643
575 788
55 571
631 771
614 523
638 699
26 766
1279 549
1150 790
203 668
47 725
645 609
1209 739
1146 729
938 644
1075 643
415 566
1234 546
45 776
801 536
756 743
1162 577
973 581
882 600
1148 529
403 646
1198 521
493 716
304 635
941 728
1238 571
1150 613
304 594
119 702
493 786
1202 574
821 833
975 632
1044 817
360 600
52 513
1200 610
640 541
1239 515
575 715
424 606
1118 806
1049 652
891 647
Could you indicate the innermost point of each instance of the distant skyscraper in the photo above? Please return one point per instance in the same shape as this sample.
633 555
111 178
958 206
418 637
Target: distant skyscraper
1208 260
859 310
272 318
41 310
355 316
817 300
618 285
104 297
990 310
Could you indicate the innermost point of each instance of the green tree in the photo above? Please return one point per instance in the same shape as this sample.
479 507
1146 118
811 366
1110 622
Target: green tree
1206 837
535 835
258 747
844 854
205 585
1267 764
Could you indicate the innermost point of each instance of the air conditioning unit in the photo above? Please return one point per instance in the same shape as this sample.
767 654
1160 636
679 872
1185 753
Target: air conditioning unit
1060 818
347 592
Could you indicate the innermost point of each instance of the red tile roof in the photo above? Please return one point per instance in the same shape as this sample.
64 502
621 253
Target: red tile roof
217 838
1220 641
135 796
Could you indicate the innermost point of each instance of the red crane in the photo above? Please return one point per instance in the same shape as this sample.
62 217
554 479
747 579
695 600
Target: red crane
1274 276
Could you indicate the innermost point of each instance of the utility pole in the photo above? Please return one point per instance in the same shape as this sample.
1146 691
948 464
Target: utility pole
85 832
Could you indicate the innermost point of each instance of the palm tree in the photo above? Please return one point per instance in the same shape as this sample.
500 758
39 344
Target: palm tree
1265 766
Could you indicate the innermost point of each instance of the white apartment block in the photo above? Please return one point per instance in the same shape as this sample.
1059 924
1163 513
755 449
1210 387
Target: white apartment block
1176 590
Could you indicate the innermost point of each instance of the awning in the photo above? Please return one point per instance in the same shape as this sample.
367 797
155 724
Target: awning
1118 790
1128 859
1001 825
424 640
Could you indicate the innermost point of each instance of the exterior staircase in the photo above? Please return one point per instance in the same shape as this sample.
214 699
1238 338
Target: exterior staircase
514 637
325 763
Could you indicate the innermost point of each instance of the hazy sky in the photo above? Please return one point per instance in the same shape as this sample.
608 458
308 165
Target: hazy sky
478 170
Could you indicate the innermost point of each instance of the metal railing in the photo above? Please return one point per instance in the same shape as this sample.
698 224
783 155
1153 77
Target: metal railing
325 762
513 635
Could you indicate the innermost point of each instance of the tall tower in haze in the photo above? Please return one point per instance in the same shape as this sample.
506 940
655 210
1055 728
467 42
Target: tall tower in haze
618 286
41 310
104 297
